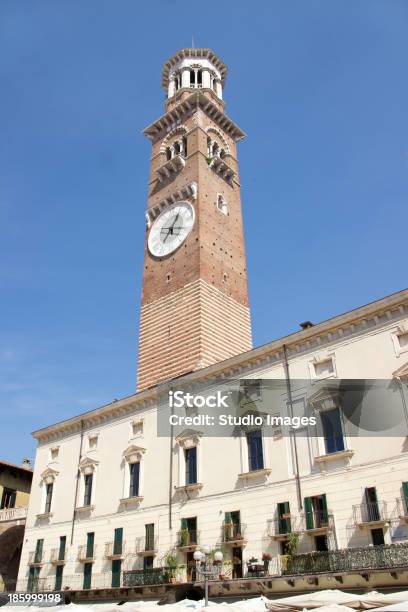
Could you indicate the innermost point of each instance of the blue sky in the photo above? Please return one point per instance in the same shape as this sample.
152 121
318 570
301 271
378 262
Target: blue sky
320 89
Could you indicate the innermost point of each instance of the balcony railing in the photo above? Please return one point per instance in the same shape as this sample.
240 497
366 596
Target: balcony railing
233 532
114 550
187 537
280 528
317 521
392 556
365 514
13 514
402 507
57 556
35 557
146 546
69 581
155 575
86 555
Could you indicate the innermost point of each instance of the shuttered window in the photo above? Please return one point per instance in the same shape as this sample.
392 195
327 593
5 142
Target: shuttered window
134 479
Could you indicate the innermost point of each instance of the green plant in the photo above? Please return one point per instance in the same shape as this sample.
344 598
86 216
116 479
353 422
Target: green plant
209 159
184 537
170 560
292 544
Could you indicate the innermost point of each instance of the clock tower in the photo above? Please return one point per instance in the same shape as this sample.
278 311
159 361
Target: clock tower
194 309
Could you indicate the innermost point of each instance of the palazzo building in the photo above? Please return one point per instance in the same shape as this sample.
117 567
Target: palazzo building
115 505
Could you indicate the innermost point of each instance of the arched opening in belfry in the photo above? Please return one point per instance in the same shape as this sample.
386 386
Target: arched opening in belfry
192 78
184 146
199 78
176 148
168 153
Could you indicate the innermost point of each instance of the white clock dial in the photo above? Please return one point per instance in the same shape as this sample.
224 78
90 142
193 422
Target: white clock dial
170 229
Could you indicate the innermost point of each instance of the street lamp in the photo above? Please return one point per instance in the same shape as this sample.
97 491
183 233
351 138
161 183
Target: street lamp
205 567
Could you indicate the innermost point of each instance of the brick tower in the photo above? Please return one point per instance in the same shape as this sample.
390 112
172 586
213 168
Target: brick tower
194 308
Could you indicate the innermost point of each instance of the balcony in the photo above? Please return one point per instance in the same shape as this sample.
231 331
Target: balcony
114 550
221 168
233 534
35 558
279 529
318 522
370 515
388 557
13 514
57 556
171 168
146 547
402 508
155 575
187 540
86 555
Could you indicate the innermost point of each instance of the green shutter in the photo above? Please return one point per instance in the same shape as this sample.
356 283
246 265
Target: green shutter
309 512
61 553
58 577
117 542
149 537
184 523
325 516
90 544
116 569
228 518
87 575
405 494
38 551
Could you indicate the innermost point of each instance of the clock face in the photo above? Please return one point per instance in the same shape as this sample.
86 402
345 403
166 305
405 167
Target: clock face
170 229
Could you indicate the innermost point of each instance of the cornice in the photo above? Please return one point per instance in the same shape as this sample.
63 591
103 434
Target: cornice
342 327
170 120
198 53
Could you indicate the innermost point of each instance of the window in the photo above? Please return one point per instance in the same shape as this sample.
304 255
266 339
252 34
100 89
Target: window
61 551
93 441
377 537
149 536
87 576
188 533
332 431
33 576
324 368
38 551
147 563
168 154
88 479
403 340
116 569
8 499
90 539
221 205
48 497
190 455
255 451
134 469
250 390
321 543
58 577
54 452
284 524
118 541
316 512
372 509
192 78
184 141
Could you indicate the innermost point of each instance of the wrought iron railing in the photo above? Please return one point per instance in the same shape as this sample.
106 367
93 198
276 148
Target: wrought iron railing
187 537
155 575
35 557
86 553
233 532
283 526
370 513
69 581
57 554
374 557
146 544
317 519
114 549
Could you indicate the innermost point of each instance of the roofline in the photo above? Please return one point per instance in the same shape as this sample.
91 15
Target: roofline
15 466
192 52
238 361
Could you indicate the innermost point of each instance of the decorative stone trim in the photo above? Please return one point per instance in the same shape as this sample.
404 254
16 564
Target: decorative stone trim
190 488
88 465
84 509
179 129
255 474
49 475
172 166
131 501
221 137
345 454
222 169
189 191
133 453
189 438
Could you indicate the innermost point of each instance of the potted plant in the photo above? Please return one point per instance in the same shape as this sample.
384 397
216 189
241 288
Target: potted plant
184 537
171 565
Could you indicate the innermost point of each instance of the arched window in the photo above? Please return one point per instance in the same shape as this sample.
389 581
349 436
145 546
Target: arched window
192 78
199 78
222 153
215 149
185 146
209 147
222 205
176 147
168 153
